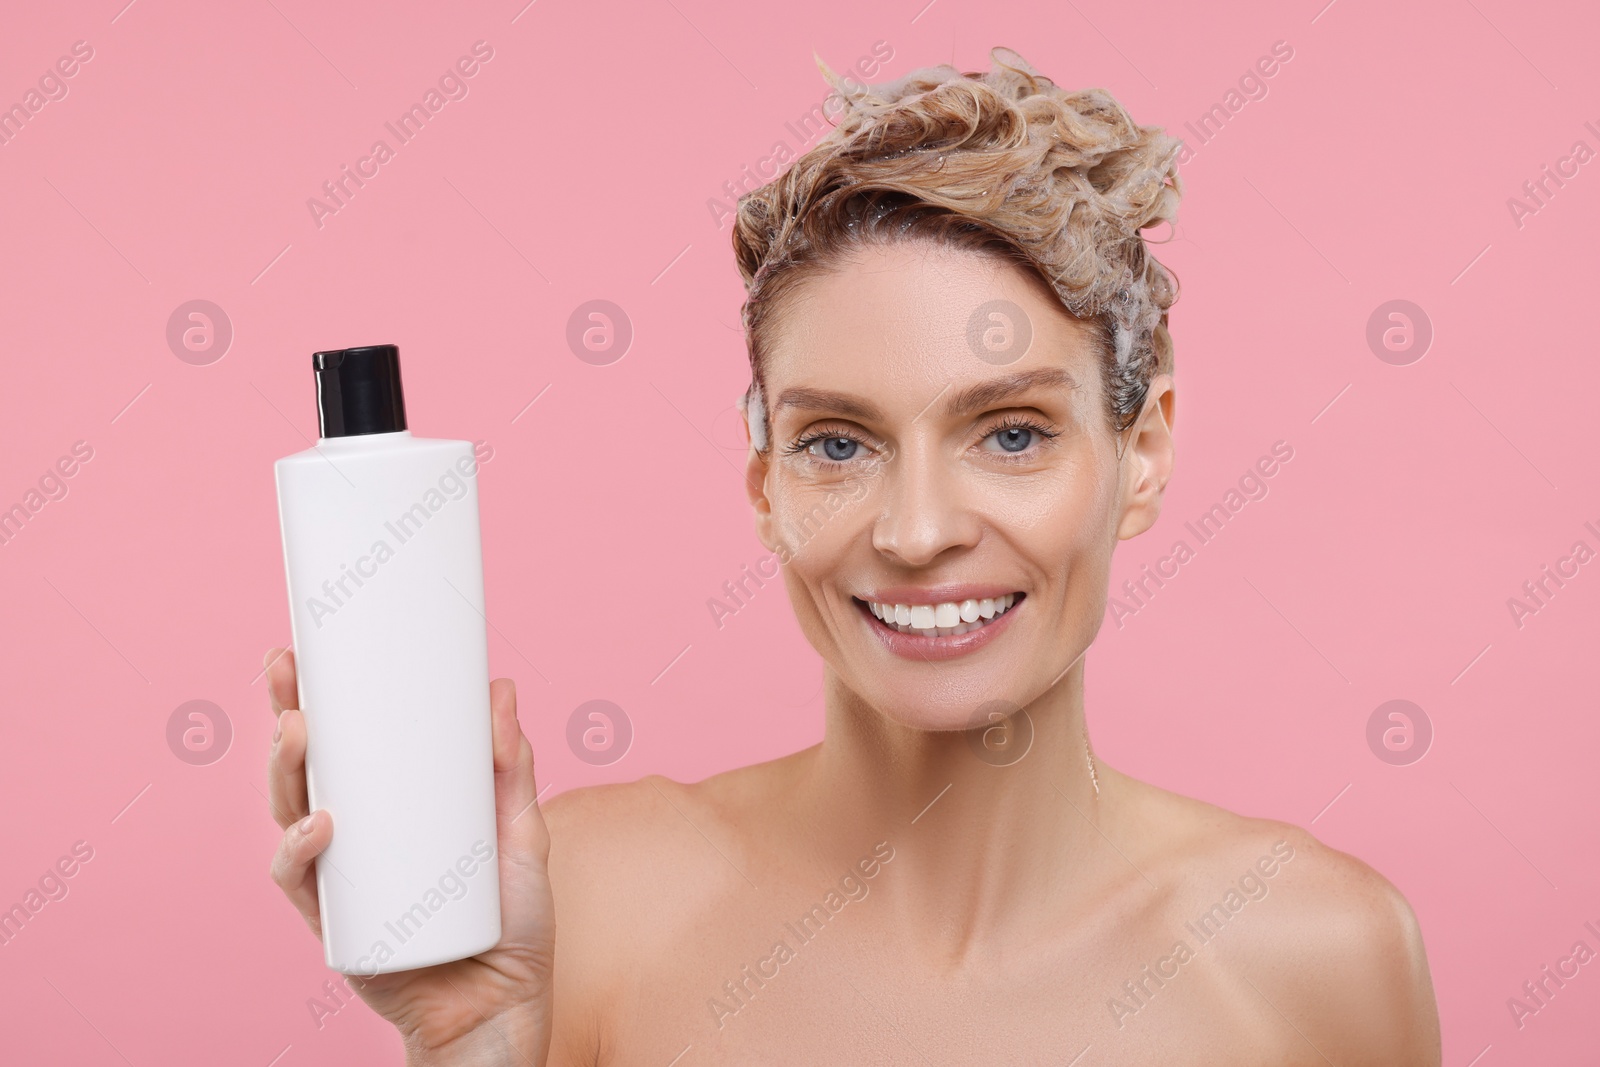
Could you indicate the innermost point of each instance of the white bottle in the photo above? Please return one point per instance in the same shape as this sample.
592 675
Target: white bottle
385 574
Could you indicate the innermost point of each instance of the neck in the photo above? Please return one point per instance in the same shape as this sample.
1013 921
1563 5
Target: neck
988 827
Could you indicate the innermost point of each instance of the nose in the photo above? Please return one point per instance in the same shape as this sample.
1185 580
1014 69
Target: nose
925 511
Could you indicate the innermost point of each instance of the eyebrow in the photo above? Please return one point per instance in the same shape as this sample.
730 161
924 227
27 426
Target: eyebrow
964 402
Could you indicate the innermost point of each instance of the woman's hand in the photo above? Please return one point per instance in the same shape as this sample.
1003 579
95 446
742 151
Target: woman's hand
492 1008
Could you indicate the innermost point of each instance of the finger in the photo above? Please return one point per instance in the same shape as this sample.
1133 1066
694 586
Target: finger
520 827
286 770
503 715
266 671
281 680
294 865
515 788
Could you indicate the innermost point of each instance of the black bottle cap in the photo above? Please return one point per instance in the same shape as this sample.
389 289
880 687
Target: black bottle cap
358 391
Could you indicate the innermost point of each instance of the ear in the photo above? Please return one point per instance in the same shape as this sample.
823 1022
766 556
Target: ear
756 469
1149 459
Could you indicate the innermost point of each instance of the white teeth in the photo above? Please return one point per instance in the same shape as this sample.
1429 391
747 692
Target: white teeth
944 619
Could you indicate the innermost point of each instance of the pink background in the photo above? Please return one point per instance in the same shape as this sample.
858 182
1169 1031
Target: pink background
580 167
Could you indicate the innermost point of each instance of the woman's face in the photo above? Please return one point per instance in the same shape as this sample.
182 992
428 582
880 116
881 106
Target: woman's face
919 457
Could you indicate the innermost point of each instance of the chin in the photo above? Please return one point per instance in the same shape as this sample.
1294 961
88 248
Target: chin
943 701
931 718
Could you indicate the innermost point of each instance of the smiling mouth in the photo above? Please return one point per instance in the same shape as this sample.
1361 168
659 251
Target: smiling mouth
948 619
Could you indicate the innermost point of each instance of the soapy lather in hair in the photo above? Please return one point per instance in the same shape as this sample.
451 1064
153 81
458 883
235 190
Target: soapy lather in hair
1004 161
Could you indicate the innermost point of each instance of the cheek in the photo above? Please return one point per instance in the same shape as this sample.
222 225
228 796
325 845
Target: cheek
1060 515
817 521
805 579
819 529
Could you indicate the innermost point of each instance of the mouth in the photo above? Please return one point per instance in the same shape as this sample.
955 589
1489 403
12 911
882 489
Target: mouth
942 630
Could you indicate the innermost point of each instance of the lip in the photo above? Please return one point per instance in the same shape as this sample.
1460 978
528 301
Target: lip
924 649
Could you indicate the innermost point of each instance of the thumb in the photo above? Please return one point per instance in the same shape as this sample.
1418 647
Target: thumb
524 839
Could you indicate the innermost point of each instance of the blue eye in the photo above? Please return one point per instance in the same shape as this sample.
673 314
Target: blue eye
839 449
836 449
1014 438
1018 437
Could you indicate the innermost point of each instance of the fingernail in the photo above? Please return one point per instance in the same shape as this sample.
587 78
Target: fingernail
305 823
277 732
266 659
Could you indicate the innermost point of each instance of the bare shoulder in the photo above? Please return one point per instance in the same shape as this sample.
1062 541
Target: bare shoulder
625 856
1326 941
611 840
1345 951
636 870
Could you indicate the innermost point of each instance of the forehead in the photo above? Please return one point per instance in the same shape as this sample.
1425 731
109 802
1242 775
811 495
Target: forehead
899 324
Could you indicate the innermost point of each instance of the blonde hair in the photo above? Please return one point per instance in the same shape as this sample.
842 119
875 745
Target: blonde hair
1002 162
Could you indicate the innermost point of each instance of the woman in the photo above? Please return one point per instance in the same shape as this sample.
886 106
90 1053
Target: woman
961 400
